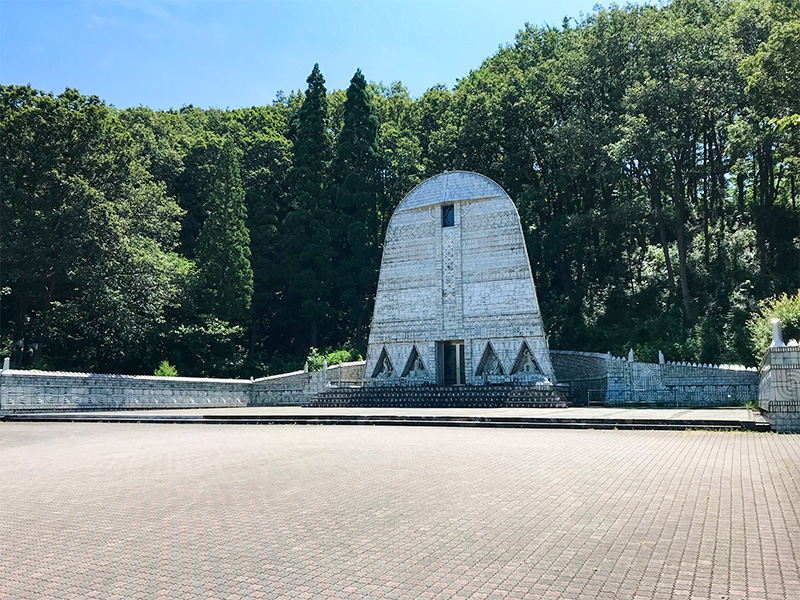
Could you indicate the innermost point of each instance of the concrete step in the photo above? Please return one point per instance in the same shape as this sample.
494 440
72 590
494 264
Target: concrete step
311 418
442 397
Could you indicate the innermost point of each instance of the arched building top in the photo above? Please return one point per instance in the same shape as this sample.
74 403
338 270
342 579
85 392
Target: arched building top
451 187
456 291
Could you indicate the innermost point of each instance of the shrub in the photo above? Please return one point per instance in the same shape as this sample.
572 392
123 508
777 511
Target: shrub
783 307
166 370
334 357
750 404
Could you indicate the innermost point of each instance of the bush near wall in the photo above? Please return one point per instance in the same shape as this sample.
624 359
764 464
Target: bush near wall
783 307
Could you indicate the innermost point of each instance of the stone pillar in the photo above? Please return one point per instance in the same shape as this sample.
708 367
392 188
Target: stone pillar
779 385
777 336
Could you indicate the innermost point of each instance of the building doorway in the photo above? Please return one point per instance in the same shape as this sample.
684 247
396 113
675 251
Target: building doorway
451 363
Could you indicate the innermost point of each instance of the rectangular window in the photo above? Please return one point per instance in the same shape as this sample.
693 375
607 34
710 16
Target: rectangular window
448 215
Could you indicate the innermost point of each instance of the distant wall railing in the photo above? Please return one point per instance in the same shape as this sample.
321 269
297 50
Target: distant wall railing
626 381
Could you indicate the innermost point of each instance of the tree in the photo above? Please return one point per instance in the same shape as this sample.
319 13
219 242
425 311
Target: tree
223 246
165 369
357 192
265 163
307 241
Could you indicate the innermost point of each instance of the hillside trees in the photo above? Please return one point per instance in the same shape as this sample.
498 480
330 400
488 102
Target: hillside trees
223 246
266 160
653 154
88 235
619 139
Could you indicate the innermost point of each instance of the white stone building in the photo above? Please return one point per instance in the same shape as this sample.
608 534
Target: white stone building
456 302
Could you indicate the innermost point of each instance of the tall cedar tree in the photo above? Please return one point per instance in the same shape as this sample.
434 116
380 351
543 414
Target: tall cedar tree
265 164
223 247
308 241
357 192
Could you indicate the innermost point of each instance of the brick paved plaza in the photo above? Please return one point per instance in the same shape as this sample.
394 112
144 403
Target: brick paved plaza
91 510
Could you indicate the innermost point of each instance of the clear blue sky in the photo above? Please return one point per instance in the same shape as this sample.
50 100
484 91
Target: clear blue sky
240 53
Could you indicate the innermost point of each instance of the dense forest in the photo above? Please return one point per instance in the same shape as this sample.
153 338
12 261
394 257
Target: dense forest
653 154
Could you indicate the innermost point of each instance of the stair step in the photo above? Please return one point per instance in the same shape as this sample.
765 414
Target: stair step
442 397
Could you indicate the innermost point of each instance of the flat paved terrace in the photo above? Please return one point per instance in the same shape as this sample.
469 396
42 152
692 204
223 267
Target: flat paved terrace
144 510
575 417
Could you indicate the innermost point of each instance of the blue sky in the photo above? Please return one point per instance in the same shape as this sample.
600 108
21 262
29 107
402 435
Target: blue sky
240 53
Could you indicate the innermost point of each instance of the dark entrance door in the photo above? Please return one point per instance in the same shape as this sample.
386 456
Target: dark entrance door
452 361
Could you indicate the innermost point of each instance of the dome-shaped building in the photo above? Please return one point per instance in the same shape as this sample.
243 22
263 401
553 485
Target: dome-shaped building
456 302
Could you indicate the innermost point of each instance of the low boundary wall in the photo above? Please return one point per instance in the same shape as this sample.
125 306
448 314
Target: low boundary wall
58 391
621 381
591 376
300 386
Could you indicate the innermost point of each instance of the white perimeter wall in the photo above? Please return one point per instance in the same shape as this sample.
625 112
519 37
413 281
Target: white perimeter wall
43 390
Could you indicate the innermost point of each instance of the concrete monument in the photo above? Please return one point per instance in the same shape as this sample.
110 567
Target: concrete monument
456 302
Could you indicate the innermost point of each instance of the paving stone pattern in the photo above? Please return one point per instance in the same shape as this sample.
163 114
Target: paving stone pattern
166 511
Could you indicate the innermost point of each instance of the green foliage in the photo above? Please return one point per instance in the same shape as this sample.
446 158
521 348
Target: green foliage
210 347
751 405
783 307
307 242
357 192
773 73
87 234
316 358
165 369
653 153
223 247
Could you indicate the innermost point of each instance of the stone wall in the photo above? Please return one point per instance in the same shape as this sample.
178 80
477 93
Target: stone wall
585 372
47 390
42 390
779 388
300 386
621 381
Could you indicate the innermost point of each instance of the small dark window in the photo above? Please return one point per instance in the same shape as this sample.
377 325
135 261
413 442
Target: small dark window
448 215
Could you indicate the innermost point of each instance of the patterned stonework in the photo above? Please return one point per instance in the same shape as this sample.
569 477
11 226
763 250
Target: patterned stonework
468 283
779 389
603 378
57 391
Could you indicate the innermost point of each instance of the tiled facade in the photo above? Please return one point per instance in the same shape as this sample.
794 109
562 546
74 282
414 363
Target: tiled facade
464 281
779 390
606 379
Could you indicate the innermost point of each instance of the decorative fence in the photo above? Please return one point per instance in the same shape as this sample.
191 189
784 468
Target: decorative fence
625 381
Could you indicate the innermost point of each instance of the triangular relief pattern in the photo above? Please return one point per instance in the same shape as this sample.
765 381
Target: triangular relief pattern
384 367
525 364
415 367
490 364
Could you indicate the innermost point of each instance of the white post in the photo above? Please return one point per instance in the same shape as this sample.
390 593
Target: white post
777 337
630 355
661 360
6 364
